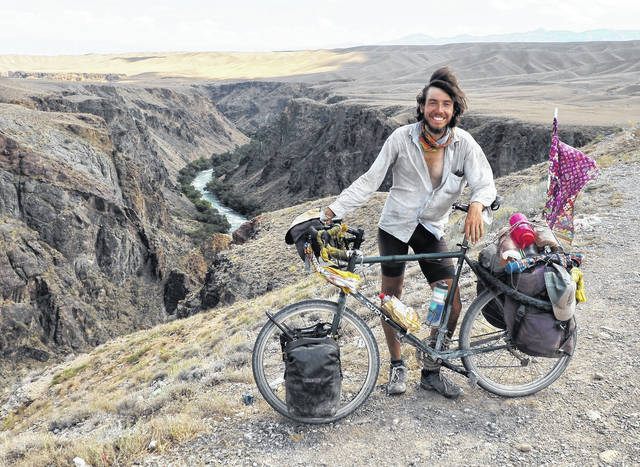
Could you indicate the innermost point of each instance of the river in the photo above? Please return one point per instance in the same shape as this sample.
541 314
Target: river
234 218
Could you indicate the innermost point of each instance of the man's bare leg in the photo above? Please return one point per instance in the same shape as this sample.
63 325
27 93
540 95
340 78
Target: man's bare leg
431 377
392 286
456 308
397 383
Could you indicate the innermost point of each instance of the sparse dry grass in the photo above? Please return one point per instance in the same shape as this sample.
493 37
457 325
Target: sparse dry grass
68 373
608 160
169 383
107 448
617 199
163 384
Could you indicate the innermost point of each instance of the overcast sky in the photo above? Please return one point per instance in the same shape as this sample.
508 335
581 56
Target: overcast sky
116 26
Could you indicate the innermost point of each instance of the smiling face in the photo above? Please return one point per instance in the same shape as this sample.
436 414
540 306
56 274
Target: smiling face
437 111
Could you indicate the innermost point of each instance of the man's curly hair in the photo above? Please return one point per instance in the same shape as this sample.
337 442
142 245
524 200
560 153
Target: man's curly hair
443 78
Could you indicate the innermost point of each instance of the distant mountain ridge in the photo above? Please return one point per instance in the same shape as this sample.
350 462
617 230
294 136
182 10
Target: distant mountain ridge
538 35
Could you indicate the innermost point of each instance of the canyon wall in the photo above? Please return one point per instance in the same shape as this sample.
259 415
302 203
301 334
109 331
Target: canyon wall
93 225
315 148
92 220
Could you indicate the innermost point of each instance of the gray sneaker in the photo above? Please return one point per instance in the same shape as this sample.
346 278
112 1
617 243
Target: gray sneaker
435 381
397 379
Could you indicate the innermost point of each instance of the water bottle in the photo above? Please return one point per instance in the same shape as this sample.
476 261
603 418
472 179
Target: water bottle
436 306
523 234
507 248
401 313
544 238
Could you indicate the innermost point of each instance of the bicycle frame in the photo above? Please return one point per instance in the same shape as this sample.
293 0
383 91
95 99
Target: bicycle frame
441 356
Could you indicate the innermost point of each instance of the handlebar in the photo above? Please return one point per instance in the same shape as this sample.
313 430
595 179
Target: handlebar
465 207
357 235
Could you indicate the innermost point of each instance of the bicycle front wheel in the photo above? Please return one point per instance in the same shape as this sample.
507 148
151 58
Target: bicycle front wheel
360 360
506 372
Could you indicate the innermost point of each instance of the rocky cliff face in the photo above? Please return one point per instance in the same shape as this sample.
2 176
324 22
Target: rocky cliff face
313 149
90 223
511 145
252 105
65 76
310 150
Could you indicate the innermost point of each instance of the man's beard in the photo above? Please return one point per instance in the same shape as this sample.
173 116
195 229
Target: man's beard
435 131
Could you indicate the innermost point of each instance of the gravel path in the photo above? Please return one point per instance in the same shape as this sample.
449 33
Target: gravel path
591 416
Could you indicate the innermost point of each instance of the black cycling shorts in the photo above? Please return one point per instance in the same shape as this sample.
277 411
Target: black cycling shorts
421 241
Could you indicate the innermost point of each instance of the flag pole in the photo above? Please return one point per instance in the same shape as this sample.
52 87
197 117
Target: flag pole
555 117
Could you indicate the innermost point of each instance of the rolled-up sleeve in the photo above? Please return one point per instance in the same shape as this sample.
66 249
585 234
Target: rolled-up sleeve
479 175
359 192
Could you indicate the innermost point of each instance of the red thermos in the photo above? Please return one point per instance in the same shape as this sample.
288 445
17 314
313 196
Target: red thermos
523 234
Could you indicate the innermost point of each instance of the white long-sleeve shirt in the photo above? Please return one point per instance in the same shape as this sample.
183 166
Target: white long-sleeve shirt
412 199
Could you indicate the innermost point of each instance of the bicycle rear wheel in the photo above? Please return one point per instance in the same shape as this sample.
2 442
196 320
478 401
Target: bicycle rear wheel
506 372
360 360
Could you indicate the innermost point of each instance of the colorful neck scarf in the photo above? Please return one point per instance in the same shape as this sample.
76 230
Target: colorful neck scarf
569 170
431 145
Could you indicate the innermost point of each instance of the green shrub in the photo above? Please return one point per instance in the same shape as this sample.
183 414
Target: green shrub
205 231
244 205
67 374
202 205
190 192
201 164
224 163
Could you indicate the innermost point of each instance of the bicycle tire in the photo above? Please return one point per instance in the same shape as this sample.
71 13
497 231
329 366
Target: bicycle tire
356 344
505 372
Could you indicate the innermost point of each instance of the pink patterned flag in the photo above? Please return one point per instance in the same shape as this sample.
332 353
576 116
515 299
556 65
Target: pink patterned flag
569 170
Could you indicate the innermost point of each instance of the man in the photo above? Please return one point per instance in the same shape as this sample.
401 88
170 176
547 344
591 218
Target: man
431 162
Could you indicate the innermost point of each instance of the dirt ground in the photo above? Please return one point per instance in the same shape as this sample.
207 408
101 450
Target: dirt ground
590 416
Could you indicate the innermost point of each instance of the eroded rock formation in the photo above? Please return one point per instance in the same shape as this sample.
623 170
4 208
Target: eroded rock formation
311 150
90 214
315 149
92 222
512 144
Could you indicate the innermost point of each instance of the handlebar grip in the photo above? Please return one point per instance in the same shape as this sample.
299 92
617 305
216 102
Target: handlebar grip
461 207
496 203
359 234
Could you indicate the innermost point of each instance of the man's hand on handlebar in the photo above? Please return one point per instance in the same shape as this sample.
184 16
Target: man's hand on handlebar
326 215
473 225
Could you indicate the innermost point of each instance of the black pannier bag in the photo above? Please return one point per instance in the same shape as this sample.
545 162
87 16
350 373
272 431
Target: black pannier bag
534 331
313 375
492 311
